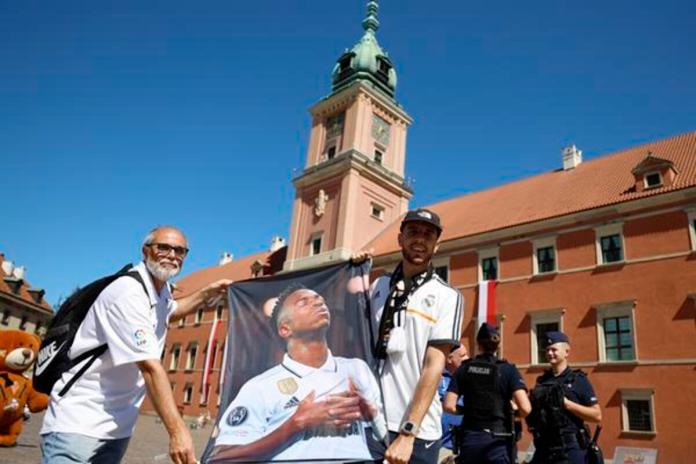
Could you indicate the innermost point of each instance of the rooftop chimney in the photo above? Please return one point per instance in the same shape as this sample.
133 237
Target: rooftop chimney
572 157
226 258
18 272
277 243
8 268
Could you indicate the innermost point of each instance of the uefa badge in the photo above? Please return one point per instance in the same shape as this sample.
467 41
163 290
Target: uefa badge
287 386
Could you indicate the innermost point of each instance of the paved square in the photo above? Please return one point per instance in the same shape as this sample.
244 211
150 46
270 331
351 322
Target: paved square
149 443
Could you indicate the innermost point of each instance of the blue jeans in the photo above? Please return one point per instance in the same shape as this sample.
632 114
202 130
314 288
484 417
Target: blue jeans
71 448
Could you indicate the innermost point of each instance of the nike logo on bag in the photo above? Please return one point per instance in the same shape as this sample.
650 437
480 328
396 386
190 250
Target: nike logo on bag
45 357
428 445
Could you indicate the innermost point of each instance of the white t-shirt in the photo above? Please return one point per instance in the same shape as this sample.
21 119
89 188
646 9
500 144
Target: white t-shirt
433 317
104 402
266 401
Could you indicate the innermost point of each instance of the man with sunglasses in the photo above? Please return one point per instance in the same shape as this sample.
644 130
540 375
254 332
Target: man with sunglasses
93 422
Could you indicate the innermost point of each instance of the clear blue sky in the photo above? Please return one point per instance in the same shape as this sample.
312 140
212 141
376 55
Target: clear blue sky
116 116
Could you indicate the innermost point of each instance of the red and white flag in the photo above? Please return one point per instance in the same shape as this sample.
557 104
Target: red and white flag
209 358
486 303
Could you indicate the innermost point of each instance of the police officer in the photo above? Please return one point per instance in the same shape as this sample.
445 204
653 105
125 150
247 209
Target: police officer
488 385
563 400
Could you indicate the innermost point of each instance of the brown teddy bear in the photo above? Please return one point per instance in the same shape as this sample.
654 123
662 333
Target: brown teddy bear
17 353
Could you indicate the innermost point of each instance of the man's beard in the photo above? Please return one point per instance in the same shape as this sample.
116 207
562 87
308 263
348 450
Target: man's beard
160 272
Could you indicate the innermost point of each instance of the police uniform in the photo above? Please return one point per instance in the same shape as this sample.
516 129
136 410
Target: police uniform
268 400
566 430
487 384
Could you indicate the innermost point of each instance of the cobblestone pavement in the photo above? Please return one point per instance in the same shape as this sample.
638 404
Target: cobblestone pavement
149 444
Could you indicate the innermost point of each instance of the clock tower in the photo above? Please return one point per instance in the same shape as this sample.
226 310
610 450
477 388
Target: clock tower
352 185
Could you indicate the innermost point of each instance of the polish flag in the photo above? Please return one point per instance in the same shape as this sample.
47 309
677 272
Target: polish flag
209 358
486 303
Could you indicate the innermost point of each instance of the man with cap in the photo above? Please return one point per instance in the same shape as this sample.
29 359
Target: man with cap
563 400
418 320
489 385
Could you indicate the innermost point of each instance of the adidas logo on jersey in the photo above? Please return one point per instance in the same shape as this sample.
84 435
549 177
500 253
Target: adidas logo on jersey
292 403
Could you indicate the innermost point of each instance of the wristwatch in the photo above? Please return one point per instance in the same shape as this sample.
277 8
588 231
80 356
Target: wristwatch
409 428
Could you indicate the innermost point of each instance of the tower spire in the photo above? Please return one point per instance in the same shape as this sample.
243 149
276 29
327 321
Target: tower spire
371 23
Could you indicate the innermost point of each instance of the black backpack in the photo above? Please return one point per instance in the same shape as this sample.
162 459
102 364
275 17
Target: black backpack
53 360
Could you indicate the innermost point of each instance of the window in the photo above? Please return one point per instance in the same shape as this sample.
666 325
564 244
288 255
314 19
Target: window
5 317
38 328
182 321
378 157
331 152
192 352
637 411
315 246
441 268
222 356
377 211
544 259
691 216
616 332
23 323
199 316
618 341
188 393
218 311
609 244
542 322
611 248
213 354
174 360
489 268
652 180
204 395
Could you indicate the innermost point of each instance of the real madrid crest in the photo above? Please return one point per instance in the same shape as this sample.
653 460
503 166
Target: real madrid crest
429 301
287 386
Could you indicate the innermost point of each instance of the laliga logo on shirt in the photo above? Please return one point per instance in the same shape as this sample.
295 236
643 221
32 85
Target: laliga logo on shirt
140 337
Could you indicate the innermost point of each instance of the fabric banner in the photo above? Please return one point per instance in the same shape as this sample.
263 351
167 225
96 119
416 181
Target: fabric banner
295 369
486 303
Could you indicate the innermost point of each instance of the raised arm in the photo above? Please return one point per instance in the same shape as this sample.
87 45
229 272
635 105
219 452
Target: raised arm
189 303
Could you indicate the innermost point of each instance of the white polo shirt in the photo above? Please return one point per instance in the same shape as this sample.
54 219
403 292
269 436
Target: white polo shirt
266 401
104 402
433 317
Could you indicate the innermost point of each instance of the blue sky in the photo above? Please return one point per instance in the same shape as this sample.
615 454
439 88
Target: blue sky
116 116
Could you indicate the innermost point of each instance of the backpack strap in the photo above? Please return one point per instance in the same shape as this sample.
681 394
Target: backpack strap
94 353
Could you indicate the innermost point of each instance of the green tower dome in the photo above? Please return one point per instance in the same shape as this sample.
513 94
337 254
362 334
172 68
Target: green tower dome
366 61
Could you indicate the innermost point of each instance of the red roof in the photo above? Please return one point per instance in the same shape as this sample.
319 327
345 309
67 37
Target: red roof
23 291
238 269
602 181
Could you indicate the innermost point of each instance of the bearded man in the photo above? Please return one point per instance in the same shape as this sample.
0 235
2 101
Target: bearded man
94 420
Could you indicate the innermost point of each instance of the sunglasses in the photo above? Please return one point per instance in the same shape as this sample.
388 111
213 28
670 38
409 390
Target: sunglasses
164 249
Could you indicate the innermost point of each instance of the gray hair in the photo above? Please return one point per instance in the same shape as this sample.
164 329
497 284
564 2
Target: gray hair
149 238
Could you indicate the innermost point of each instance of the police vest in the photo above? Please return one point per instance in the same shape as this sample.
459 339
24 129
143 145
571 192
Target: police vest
484 405
549 416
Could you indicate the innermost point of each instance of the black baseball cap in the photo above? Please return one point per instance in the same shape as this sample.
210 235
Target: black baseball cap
423 215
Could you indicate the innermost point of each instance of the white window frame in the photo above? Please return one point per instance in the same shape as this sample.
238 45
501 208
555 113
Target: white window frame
616 309
544 243
312 238
637 394
182 321
443 261
191 361
376 206
199 315
603 231
542 316
691 215
188 393
485 253
645 180
174 360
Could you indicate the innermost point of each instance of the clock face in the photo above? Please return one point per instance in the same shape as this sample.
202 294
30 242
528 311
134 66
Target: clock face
380 130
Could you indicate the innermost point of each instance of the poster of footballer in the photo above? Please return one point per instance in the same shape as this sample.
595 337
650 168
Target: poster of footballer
298 382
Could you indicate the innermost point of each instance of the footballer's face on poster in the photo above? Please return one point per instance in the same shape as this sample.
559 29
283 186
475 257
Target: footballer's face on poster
298 383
